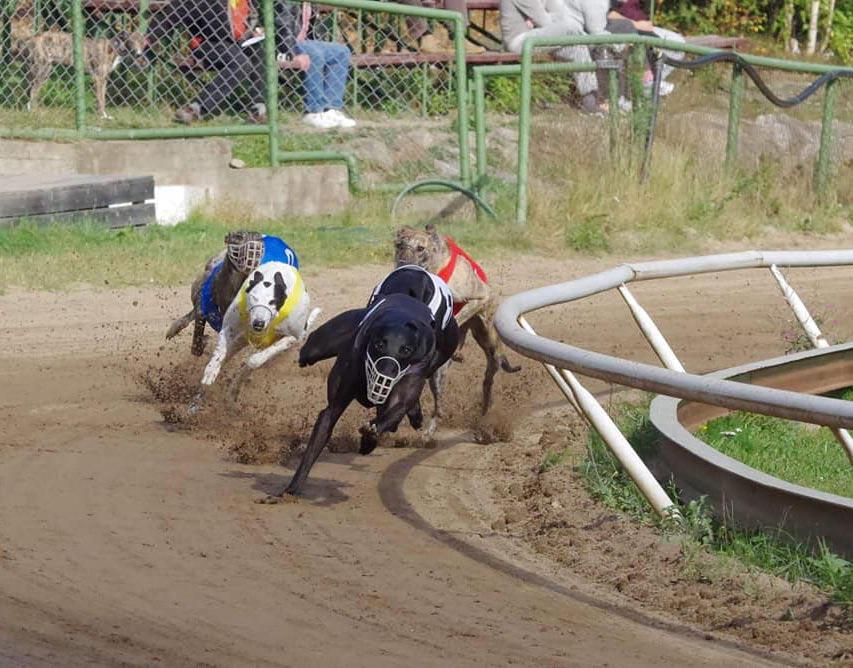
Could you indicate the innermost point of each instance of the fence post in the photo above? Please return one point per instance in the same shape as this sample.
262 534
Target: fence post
77 29
480 126
523 131
271 78
462 100
735 95
613 101
821 176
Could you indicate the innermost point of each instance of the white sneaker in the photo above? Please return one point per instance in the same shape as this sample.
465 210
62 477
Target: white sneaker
340 118
665 88
320 119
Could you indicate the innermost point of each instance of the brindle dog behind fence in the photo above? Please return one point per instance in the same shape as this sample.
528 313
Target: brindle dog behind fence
473 298
43 51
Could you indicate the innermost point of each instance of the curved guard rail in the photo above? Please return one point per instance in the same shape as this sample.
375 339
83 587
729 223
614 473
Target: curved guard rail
715 391
758 499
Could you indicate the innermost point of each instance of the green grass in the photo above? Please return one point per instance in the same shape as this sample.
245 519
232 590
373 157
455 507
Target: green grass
792 451
90 254
771 551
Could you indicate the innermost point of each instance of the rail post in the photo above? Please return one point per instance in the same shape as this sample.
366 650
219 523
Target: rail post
523 131
735 96
271 79
821 177
77 29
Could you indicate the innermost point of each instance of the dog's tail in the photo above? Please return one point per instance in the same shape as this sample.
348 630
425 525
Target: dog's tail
506 366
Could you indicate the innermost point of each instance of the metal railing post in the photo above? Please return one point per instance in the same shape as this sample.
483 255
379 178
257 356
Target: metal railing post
735 96
821 177
818 340
461 100
271 79
650 330
523 131
586 404
613 101
480 126
77 29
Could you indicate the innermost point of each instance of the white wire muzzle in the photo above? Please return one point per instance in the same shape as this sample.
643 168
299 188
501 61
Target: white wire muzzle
379 385
247 255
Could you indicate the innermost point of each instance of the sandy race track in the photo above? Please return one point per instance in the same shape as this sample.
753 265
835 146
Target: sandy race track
127 540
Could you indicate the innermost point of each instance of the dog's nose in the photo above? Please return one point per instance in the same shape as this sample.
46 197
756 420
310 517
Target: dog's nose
258 325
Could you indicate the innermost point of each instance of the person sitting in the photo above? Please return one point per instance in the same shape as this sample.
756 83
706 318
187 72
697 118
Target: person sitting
631 10
221 33
325 64
437 40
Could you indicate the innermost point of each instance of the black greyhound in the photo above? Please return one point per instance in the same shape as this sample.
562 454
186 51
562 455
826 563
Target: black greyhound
385 354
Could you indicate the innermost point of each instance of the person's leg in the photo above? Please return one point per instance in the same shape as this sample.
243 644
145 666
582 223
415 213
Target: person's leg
415 25
234 66
670 36
337 70
257 81
313 77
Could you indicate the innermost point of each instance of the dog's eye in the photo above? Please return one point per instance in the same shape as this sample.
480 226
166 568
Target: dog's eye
272 302
406 350
267 284
420 249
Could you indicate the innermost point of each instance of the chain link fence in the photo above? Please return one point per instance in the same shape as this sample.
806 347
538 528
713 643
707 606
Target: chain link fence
158 63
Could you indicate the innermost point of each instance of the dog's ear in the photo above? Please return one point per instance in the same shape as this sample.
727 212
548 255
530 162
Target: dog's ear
280 290
402 234
256 278
425 339
434 236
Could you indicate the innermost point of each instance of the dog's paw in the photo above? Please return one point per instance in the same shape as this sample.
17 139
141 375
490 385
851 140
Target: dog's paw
256 360
210 374
369 439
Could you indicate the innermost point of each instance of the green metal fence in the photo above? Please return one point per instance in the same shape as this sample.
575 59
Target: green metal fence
527 68
387 80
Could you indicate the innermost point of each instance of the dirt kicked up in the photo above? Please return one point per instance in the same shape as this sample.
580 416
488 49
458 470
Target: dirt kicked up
129 533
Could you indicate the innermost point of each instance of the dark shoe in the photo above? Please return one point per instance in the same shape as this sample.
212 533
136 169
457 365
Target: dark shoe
259 115
188 114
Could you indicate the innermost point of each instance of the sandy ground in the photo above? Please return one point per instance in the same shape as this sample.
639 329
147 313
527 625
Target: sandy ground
130 539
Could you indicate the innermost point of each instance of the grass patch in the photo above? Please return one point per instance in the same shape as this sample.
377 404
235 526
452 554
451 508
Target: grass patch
87 253
792 451
773 552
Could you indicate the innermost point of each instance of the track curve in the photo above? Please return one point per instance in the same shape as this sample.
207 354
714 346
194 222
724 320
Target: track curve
122 543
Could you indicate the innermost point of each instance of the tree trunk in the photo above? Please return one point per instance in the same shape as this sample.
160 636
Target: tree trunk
813 21
788 24
827 31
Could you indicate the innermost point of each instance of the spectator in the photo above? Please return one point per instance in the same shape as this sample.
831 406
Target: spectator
521 19
219 31
430 42
325 64
632 11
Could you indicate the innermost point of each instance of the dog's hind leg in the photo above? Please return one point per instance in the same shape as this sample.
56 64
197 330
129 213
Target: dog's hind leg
436 387
39 74
180 324
197 348
330 338
480 332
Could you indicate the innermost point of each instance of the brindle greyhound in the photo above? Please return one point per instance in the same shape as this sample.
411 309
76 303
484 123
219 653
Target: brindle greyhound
225 286
473 298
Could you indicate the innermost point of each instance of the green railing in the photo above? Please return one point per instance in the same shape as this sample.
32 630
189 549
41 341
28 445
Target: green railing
527 68
83 128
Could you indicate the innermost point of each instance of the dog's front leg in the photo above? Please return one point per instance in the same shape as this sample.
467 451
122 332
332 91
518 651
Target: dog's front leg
258 359
326 421
403 398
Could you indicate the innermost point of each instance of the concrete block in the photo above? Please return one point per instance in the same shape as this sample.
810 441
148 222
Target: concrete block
175 203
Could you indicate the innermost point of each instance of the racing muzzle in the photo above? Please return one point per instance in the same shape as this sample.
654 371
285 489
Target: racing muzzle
246 256
382 375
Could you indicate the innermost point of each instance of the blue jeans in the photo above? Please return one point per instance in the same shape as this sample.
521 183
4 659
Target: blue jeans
326 77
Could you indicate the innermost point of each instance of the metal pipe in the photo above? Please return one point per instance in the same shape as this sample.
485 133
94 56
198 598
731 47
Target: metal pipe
327 156
585 404
821 177
480 126
735 96
271 75
735 395
524 130
801 312
613 112
77 29
556 374
650 330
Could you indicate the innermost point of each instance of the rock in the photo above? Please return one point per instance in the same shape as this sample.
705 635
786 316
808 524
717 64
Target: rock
236 163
